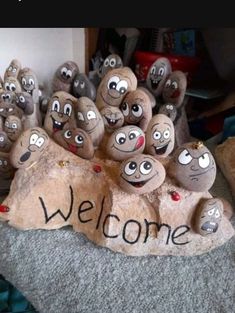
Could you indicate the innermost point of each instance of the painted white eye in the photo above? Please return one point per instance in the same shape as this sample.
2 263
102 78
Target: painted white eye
113 81
166 134
5 162
7 86
68 109
161 71
31 82
22 99
12 87
136 110
1 109
169 107
14 125
69 74
174 85
211 212
157 135
145 167
153 70
76 83
106 63
10 68
168 83
7 96
33 139
14 70
130 168
40 141
79 139
112 62
82 85
68 134
184 157
204 160
91 115
63 71
122 86
23 81
1 139
120 138
80 116
125 109
133 134
55 106
10 110
217 214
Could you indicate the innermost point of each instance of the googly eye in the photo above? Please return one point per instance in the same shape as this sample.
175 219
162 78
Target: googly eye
145 167
68 134
68 109
153 70
125 109
14 125
136 110
82 85
12 87
69 74
80 116
161 71
157 135
91 115
217 214
40 141
166 134
33 139
31 82
22 99
130 168
120 138
174 85
168 83
55 106
204 160
63 71
133 134
113 81
76 83
211 212
112 62
79 139
122 86
106 62
184 157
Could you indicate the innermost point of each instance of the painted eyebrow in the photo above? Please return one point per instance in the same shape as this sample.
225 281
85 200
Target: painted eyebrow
138 99
167 124
55 97
69 100
154 125
35 130
149 159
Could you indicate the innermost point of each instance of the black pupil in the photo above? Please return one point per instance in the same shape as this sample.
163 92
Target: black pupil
124 106
132 136
67 111
122 140
69 133
122 90
147 165
8 88
79 138
56 107
13 88
112 85
135 108
132 166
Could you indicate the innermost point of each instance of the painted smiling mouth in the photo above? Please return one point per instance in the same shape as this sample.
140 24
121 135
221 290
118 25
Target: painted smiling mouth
210 227
161 150
138 184
139 143
57 125
111 122
154 83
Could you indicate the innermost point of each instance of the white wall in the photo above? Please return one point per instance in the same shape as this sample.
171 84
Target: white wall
42 49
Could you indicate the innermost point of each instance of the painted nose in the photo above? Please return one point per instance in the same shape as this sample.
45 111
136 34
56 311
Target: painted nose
161 140
194 168
137 176
60 114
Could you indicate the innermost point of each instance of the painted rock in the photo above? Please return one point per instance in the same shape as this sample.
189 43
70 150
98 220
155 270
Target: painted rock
6 169
8 105
169 110
13 127
24 101
64 77
174 88
83 87
12 84
29 82
13 69
5 142
112 117
112 61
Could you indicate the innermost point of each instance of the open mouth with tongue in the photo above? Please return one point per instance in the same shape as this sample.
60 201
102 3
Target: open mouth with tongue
210 227
162 149
155 83
57 125
111 122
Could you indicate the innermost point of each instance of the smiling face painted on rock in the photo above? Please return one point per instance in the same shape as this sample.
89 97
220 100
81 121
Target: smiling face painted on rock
141 174
126 142
28 80
13 127
112 61
160 136
83 87
112 117
29 147
157 75
209 216
194 167
175 88
114 86
67 72
8 105
12 84
60 112
24 101
13 69
76 141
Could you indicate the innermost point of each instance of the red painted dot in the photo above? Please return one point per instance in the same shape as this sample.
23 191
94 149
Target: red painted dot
175 196
97 168
4 209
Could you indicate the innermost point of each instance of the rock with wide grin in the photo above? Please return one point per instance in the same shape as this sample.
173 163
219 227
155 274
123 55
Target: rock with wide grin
57 125
162 149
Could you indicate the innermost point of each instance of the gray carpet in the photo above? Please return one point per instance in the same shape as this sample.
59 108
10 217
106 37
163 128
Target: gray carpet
61 271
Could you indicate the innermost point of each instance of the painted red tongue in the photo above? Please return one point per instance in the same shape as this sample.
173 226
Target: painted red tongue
73 148
175 94
139 142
